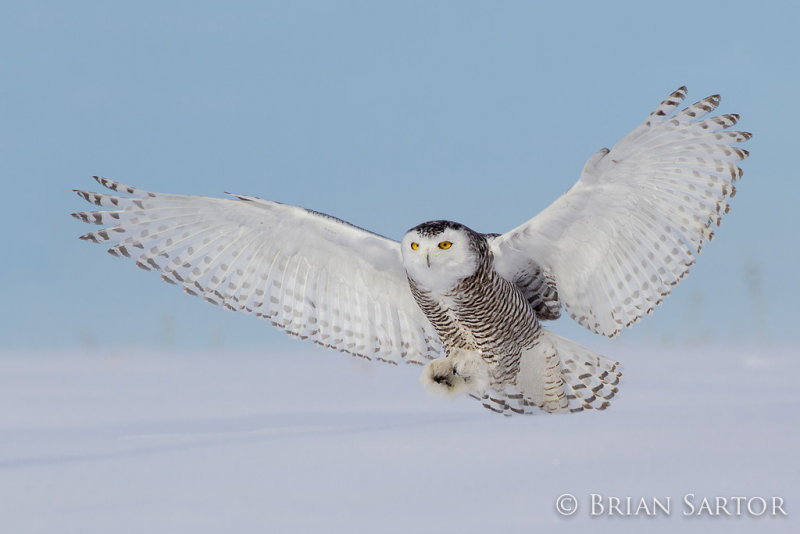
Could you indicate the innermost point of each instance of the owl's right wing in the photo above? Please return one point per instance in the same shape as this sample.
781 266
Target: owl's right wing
312 275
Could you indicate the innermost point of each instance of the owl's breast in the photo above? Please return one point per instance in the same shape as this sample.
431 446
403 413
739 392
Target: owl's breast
484 312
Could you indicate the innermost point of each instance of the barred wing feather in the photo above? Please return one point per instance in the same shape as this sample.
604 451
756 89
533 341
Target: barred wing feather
310 274
630 227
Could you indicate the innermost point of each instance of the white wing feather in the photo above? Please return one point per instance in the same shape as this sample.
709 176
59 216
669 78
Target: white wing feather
629 228
310 274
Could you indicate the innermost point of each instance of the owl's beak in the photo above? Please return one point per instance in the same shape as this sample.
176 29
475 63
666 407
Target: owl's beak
428 257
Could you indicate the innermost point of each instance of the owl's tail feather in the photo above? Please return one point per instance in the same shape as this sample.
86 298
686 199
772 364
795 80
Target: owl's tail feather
558 375
590 380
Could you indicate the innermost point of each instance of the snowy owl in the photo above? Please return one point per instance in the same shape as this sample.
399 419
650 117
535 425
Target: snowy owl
466 305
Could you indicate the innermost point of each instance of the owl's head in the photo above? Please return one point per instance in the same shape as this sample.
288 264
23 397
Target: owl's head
437 255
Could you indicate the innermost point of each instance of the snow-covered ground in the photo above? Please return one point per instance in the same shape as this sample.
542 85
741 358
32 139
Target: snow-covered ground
312 441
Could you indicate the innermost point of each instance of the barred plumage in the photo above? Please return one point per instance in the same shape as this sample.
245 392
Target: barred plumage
468 304
494 318
485 313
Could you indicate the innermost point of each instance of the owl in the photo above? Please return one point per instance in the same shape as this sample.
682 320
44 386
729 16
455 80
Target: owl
466 306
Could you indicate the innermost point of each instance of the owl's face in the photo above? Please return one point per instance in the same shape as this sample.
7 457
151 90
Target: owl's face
438 255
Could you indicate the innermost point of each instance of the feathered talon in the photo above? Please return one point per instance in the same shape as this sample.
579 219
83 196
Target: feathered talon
463 371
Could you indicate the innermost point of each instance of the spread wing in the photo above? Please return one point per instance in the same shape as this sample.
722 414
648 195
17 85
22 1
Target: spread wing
629 228
310 274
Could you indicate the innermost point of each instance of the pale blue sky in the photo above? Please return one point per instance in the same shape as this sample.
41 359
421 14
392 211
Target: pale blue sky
382 114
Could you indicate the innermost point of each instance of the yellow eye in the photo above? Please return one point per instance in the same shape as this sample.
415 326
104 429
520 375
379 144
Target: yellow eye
445 245
414 246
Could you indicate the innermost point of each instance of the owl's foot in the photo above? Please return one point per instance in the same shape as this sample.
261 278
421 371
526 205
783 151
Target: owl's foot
463 371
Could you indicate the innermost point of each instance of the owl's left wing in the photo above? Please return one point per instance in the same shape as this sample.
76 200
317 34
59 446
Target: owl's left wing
312 275
629 228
